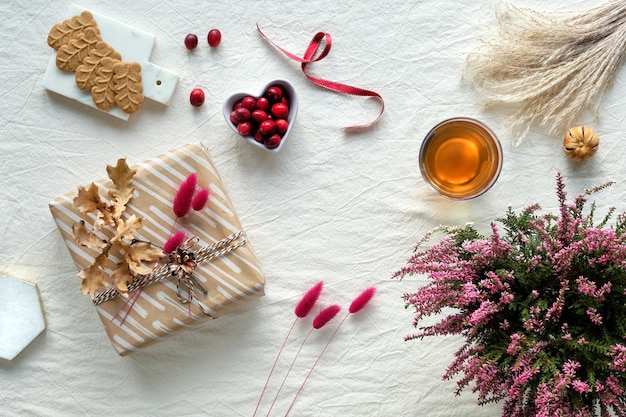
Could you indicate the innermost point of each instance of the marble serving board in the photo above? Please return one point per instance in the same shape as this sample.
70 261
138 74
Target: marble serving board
135 46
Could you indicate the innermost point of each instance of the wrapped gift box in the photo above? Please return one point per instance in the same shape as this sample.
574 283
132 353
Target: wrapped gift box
156 311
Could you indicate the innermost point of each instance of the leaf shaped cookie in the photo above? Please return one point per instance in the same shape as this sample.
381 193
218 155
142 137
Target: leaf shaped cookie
128 87
61 33
102 92
87 72
71 55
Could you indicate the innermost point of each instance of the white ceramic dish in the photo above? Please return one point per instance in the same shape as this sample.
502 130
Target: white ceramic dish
292 97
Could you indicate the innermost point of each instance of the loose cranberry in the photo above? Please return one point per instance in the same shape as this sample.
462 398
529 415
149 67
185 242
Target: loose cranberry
267 127
244 128
281 126
214 38
249 103
259 116
242 114
280 110
262 103
191 41
196 98
273 141
274 93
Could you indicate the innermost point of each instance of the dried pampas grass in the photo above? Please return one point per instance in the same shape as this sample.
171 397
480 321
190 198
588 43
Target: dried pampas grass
549 67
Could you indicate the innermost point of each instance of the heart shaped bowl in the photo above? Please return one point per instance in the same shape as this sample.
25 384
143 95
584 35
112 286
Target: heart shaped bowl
292 102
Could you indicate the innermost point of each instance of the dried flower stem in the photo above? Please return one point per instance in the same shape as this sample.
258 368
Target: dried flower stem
314 365
548 66
303 308
357 305
320 321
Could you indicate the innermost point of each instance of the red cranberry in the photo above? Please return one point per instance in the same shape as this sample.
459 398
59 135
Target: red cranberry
259 116
258 136
233 117
262 103
244 128
274 93
249 103
267 127
196 98
242 114
214 38
191 41
280 110
273 141
237 105
281 126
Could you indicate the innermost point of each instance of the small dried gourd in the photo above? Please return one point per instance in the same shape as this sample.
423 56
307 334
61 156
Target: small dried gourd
580 142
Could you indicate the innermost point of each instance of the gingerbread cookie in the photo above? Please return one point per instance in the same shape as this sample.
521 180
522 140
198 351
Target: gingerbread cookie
72 54
63 32
87 72
98 66
127 86
102 92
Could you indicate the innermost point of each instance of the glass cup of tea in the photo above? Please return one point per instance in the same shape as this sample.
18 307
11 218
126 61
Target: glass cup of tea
461 158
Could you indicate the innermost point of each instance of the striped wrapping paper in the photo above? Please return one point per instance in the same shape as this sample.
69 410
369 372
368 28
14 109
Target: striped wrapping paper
231 279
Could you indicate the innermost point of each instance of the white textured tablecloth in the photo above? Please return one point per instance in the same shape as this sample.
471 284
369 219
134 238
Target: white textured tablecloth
345 209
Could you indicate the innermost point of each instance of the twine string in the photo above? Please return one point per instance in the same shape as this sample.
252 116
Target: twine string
205 254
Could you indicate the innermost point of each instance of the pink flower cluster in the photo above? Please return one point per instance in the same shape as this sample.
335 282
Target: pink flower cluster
541 307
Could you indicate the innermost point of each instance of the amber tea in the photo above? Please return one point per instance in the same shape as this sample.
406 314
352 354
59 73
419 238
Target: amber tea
461 158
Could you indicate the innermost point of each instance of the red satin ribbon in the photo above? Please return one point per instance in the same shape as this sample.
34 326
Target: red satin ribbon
309 57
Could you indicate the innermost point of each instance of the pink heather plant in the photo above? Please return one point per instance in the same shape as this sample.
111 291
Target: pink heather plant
541 308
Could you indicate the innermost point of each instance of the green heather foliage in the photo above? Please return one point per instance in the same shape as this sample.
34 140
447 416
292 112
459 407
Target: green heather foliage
540 306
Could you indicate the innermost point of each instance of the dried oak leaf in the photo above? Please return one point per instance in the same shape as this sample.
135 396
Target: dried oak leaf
128 87
88 199
141 257
71 55
86 237
122 177
94 278
121 277
126 228
145 253
61 33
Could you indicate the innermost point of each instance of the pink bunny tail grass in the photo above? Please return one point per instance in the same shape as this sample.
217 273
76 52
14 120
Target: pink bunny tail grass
325 316
302 310
357 305
174 242
182 200
322 318
304 307
362 300
200 199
